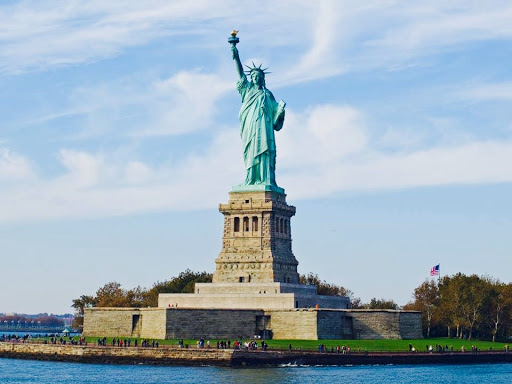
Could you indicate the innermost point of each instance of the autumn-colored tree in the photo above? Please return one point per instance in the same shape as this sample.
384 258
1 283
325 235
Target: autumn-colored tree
113 295
472 304
80 304
450 298
473 293
498 305
426 299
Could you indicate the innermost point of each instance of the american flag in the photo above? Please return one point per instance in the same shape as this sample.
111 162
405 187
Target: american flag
435 270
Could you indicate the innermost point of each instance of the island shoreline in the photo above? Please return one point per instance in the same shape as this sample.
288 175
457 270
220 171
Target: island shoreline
236 358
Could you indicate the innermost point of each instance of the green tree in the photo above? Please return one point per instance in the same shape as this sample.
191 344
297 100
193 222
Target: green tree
183 283
328 289
381 304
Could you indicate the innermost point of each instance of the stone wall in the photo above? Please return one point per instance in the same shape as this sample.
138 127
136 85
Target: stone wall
153 324
334 325
125 322
226 301
385 324
211 323
94 354
258 296
229 357
293 324
410 325
331 302
188 323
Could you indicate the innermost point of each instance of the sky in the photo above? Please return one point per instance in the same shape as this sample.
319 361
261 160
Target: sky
119 137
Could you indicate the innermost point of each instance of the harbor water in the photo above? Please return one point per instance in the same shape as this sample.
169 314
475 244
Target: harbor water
13 371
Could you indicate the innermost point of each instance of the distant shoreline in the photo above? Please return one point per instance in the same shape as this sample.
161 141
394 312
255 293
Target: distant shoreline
234 358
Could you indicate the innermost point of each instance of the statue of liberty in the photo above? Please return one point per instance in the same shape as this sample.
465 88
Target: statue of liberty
259 116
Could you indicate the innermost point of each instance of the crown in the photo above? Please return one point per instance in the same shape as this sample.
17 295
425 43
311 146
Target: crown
256 68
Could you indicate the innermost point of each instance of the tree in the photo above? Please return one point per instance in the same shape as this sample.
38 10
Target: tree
138 297
498 305
381 304
112 295
427 300
328 289
79 304
183 283
474 305
450 303
473 293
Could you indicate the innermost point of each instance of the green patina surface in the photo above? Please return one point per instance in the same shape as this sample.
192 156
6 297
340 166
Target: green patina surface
260 115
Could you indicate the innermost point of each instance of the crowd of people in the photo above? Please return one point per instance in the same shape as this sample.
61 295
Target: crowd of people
15 337
127 343
322 348
48 339
249 345
66 340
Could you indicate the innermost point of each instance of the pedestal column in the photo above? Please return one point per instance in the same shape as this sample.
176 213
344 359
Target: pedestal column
257 242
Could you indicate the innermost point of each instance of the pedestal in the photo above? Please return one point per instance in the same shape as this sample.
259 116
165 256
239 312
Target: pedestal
257 241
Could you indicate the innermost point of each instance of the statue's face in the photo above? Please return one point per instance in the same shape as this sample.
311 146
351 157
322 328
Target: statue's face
257 77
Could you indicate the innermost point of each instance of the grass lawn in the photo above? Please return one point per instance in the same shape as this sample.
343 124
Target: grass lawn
363 345
387 345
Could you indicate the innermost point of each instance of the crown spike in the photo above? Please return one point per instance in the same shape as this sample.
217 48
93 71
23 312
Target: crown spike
256 68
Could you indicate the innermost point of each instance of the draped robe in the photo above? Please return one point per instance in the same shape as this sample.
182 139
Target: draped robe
258 119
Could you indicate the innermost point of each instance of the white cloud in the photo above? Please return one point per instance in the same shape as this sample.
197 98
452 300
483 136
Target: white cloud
320 135
98 185
327 150
37 35
326 37
83 168
440 24
13 167
184 103
137 172
320 60
320 152
484 92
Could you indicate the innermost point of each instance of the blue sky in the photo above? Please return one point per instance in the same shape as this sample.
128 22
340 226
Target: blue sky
119 137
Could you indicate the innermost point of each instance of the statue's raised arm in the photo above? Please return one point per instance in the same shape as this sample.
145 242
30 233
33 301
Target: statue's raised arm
260 115
233 40
238 63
